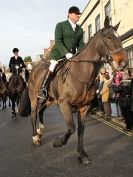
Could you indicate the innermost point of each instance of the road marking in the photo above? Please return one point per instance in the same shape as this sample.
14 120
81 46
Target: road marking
112 125
3 125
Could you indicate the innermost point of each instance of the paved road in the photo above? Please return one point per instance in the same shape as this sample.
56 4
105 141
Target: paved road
110 151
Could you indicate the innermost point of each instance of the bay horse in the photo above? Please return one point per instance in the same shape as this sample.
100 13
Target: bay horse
73 85
15 89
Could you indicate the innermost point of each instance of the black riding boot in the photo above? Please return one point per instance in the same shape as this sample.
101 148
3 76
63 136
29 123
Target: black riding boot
43 91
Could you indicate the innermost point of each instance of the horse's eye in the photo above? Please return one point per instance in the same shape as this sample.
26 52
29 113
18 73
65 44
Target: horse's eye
110 37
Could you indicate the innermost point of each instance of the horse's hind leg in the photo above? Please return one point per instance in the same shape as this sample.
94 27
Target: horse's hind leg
66 109
9 102
13 108
4 101
82 155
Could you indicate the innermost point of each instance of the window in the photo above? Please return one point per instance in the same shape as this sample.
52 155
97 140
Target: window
97 23
89 32
108 11
130 57
84 36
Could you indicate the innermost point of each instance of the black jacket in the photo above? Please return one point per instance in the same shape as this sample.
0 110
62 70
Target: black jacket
13 62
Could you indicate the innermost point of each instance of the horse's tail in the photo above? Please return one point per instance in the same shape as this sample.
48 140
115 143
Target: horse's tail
24 107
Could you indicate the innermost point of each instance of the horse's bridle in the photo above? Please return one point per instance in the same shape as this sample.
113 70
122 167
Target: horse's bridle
109 57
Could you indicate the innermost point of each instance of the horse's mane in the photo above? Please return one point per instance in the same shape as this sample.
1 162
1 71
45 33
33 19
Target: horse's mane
86 45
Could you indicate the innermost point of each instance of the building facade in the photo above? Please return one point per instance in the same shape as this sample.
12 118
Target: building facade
47 50
92 19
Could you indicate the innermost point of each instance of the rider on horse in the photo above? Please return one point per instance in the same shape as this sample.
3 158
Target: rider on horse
68 41
3 76
17 63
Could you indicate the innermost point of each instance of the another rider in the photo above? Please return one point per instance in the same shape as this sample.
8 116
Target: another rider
3 76
68 41
16 61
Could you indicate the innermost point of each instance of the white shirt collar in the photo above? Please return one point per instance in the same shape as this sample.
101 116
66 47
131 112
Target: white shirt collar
15 57
72 24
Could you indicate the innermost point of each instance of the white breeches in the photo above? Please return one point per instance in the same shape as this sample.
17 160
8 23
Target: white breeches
53 65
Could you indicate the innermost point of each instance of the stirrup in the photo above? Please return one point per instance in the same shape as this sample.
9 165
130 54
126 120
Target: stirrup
43 93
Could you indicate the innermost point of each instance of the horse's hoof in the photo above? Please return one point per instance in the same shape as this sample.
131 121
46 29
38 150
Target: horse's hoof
13 117
57 142
37 143
39 135
84 160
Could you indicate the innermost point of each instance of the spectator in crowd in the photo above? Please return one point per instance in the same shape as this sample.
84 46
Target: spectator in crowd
105 96
125 91
100 81
114 97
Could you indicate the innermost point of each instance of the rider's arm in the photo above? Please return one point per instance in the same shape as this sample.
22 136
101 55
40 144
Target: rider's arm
11 64
22 63
81 43
59 39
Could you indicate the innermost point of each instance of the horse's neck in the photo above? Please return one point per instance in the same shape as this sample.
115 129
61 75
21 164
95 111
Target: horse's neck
91 51
89 61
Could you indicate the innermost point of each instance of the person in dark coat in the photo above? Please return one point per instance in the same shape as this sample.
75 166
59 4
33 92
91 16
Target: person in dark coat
16 61
68 41
125 88
3 76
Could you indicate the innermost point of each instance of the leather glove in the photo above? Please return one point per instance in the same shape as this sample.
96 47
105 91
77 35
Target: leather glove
69 55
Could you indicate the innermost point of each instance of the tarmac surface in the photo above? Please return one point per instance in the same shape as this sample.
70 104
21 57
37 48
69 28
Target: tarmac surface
110 150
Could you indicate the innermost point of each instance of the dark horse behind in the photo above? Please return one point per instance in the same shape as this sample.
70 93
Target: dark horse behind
15 89
3 92
73 85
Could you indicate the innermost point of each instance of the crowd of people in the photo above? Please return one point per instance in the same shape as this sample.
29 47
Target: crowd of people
115 95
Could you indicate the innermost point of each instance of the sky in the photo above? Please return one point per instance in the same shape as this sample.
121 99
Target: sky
29 25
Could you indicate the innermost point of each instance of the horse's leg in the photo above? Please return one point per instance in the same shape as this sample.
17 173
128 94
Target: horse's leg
82 155
5 99
41 123
66 109
33 99
13 108
9 102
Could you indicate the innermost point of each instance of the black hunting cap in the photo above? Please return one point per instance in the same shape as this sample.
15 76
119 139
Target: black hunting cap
74 9
15 50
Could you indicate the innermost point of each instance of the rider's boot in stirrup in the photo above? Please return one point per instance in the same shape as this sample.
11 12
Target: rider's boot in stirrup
43 91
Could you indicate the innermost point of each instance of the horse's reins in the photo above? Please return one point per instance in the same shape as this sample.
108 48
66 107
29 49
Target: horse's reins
110 52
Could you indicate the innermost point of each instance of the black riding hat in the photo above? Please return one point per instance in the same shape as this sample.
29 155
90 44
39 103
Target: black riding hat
74 9
15 50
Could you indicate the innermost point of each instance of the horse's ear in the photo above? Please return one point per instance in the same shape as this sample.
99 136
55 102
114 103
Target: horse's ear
116 26
106 22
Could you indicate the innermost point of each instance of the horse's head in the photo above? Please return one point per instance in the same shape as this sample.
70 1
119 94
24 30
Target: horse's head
112 46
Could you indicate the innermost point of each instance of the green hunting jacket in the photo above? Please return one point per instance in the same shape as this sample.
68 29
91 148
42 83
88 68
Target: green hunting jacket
66 40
